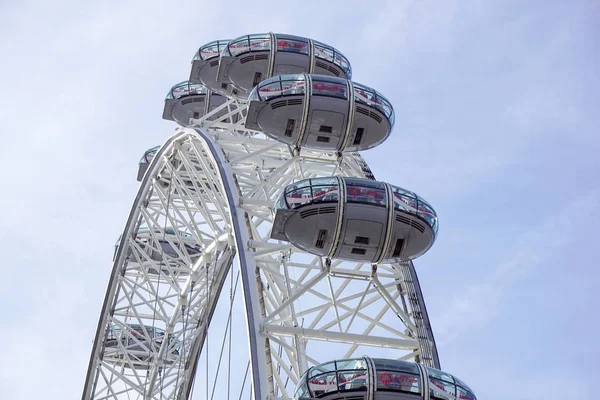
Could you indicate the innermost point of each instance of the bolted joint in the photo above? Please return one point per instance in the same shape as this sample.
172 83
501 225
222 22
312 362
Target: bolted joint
183 300
373 270
327 265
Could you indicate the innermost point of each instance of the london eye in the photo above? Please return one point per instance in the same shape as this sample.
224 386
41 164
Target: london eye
261 258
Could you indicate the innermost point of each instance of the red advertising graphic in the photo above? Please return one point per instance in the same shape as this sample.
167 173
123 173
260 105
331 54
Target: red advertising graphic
385 378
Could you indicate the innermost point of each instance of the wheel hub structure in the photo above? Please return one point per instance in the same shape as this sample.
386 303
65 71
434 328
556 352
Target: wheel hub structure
199 237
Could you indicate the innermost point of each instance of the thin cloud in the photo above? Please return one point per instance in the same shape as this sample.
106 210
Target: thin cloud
483 301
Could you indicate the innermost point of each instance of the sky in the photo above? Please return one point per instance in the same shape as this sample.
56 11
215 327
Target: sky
497 126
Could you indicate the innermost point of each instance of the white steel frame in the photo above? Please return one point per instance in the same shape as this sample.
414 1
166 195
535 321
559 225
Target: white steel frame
218 182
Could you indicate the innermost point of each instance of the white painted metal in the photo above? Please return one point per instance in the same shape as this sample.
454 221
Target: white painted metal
218 182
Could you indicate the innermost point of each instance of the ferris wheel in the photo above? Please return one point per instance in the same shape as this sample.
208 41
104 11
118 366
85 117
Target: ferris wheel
261 259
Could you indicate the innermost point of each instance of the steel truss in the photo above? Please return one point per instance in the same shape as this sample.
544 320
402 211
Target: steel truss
218 182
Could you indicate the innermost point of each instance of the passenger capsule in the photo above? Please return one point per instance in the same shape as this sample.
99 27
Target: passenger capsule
249 59
185 179
191 100
141 343
378 378
320 112
178 249
355 219
205 65
145 162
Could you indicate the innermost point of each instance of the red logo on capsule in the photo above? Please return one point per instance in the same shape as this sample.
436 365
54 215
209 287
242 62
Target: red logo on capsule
385 378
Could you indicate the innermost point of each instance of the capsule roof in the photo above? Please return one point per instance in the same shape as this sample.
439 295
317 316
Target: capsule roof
287 43
185 89
210 50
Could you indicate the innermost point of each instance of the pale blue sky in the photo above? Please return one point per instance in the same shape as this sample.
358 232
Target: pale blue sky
497 127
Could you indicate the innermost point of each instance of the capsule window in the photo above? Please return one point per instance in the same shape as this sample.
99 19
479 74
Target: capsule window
361 240
289 129
196 115
398 247
369 195
356 250
223 86
321 238
323 139
257 78
326 129
359 135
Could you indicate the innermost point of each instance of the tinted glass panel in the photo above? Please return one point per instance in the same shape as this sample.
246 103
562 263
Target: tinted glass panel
342 62
302 390
291 87
302 183
180 91
319 369
323 52
427 213
400 381
299 197
303 193
363 94
321 87
351 380
279 86
151 153
295 45
364 183
365 191
209 52
324 181
366 95
212 49
396 365
461 383
437 374
328 53
184 89
383 105
324 383
260 42
404 200
273 89
464 394
281 202
238 46
354 364
254 94
439 389
410 202
356 194
324 194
